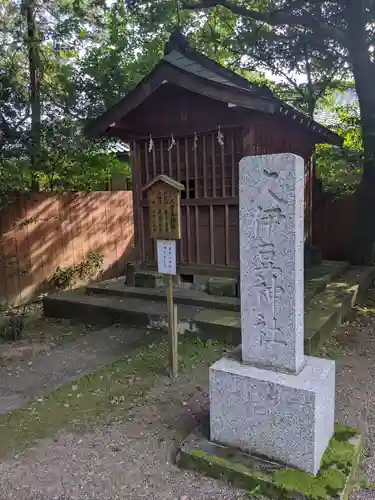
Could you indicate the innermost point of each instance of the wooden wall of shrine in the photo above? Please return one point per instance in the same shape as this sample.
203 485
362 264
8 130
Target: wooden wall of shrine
205 158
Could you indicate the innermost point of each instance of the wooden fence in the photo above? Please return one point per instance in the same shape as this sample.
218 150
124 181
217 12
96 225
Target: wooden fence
41 231
333 224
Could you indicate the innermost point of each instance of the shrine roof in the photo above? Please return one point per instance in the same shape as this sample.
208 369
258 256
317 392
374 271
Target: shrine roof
192 70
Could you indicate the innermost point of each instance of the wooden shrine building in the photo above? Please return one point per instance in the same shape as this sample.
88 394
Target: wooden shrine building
194 120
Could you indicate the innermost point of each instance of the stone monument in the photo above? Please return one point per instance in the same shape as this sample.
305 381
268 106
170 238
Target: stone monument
269 399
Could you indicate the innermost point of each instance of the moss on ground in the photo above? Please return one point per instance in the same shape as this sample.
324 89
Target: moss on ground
232 472
338 464
100 397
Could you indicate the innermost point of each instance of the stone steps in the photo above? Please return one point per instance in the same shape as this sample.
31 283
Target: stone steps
117 288
326 310
323 311
316 280
99 309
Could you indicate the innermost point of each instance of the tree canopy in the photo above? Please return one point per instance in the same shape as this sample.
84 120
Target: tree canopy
339 33
65 61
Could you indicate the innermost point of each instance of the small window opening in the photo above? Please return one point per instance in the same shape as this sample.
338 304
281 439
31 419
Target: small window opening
190 188
187 278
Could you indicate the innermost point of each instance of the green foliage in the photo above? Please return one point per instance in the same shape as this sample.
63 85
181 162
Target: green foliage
305 69
14 177
12 324
63 277
11 265
335 36
309 71
12 320
341 168
93 52
69 38
67 277
90 266
73 163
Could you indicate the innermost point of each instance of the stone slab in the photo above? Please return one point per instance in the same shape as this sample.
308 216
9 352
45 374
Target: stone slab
336 479
149 279
200 282
287 418
222 287
271 211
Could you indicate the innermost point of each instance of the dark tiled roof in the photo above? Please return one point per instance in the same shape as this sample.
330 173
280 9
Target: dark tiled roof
179 53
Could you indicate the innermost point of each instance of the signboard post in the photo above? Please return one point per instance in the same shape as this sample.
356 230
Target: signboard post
164 194
166 255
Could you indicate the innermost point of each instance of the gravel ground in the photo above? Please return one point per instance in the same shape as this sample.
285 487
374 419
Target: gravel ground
133 458
23 380
355 396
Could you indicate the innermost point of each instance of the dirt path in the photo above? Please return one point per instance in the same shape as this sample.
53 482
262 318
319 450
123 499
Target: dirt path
23 380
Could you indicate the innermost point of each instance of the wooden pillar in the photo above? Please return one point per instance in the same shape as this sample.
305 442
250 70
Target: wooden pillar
248 141
135 168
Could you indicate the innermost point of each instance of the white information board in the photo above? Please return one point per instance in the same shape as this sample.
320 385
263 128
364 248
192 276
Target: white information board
166 252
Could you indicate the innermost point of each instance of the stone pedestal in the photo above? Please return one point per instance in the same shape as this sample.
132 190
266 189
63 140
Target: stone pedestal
286 418
272 400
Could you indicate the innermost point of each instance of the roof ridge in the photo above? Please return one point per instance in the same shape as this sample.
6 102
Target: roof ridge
179 43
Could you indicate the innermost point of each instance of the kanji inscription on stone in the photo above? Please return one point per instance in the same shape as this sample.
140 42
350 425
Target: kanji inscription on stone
271 209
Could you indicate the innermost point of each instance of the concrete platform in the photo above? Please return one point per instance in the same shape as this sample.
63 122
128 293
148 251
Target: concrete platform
316 280
331 289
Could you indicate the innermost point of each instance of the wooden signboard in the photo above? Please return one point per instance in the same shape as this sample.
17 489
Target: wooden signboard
164 196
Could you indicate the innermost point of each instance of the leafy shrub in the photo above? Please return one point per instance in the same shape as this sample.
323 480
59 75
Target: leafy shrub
67 277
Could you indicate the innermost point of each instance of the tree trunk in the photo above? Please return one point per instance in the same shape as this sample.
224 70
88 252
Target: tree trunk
362 251
35 72
311 105
311 100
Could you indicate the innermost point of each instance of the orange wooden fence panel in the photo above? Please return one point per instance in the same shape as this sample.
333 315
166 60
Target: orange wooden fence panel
41 231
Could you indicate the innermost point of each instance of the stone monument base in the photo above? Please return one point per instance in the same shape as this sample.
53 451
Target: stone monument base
336 478
286 418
